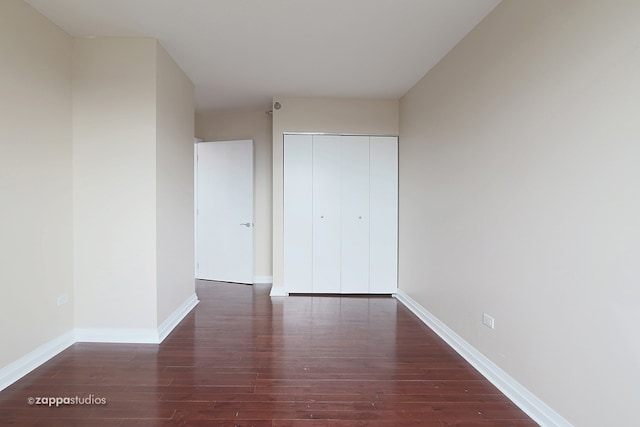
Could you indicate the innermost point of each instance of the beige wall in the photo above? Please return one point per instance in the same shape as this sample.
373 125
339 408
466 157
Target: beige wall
174 185
96 161
341 116
519 197
133 184
36 250
255 125
114 124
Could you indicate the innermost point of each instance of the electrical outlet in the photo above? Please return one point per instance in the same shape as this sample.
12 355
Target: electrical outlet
488 321
62 299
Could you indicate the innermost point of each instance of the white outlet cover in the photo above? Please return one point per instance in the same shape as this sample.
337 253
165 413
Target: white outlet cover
62 299
488 321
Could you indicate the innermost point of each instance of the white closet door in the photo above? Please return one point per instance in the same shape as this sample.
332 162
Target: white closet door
298 220
383 153
326 214
355 214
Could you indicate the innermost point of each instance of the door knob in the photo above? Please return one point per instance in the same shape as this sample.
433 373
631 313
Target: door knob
247 224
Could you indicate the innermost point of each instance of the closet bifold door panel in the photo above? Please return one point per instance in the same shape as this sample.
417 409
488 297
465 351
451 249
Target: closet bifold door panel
383 203
340 214
326 214
354 214
298 156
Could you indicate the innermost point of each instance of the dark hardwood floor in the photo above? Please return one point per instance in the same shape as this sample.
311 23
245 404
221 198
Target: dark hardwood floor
244 359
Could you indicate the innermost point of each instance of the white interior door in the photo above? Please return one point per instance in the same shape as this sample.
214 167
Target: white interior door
326 214
355 215
298 215
224 194
383 153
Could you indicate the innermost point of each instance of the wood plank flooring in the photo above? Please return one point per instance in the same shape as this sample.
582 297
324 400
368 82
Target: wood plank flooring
244 359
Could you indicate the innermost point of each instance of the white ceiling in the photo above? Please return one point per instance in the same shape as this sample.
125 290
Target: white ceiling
241 53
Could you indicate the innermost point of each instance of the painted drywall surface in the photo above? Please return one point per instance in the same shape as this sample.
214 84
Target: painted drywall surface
341 116
114 172
35 180
519 197
174 185
255 125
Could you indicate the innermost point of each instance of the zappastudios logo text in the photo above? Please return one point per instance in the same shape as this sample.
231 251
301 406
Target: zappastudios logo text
67 400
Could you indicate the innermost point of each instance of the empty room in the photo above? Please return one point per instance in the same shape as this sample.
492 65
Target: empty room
306 213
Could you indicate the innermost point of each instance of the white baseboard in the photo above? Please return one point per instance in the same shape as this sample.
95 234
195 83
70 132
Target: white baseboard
30 361
523 398
278 292
263 279
138 335
118 335
176 317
